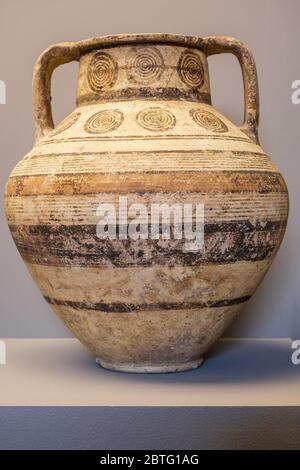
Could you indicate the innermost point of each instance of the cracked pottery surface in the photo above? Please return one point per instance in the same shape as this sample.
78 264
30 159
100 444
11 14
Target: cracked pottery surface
144 128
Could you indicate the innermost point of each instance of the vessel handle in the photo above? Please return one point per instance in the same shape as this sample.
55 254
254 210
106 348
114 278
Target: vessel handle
48 61
224 44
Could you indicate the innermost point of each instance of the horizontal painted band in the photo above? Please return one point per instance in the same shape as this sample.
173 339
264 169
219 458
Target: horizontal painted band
151 153
144 143
54 230
215 181
64 142
151 93
80 246
81 209
143 137
135 162
126 307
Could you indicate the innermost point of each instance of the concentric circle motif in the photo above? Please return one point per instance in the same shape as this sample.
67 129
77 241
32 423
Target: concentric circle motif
104 121
66 123
190 69
156 119
102 72
144 65
208 120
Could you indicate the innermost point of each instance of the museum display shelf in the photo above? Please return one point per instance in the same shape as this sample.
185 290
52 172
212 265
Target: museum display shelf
54 395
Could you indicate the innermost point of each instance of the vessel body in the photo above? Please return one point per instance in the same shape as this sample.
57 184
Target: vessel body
144 133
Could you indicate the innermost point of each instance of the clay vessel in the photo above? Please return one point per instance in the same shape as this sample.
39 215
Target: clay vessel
144 129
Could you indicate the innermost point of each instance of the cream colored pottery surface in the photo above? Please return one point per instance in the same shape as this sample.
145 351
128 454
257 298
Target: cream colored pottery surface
144 128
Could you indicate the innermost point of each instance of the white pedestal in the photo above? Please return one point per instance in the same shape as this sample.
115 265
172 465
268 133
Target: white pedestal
246 395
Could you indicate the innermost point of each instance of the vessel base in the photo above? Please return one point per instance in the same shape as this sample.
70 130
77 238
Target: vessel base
149 369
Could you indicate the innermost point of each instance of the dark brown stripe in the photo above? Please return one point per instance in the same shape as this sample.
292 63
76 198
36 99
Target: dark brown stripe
224 243
146 137
201 181
234 153
124 307
160 93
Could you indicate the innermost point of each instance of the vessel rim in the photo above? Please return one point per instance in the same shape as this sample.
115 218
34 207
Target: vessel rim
136 38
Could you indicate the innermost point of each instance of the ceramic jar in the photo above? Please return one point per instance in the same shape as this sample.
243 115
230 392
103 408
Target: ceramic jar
144 133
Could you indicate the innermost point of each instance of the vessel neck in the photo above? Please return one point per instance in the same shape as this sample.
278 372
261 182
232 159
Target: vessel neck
143 72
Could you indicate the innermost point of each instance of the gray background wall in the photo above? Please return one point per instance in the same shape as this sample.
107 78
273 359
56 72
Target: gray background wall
271 29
